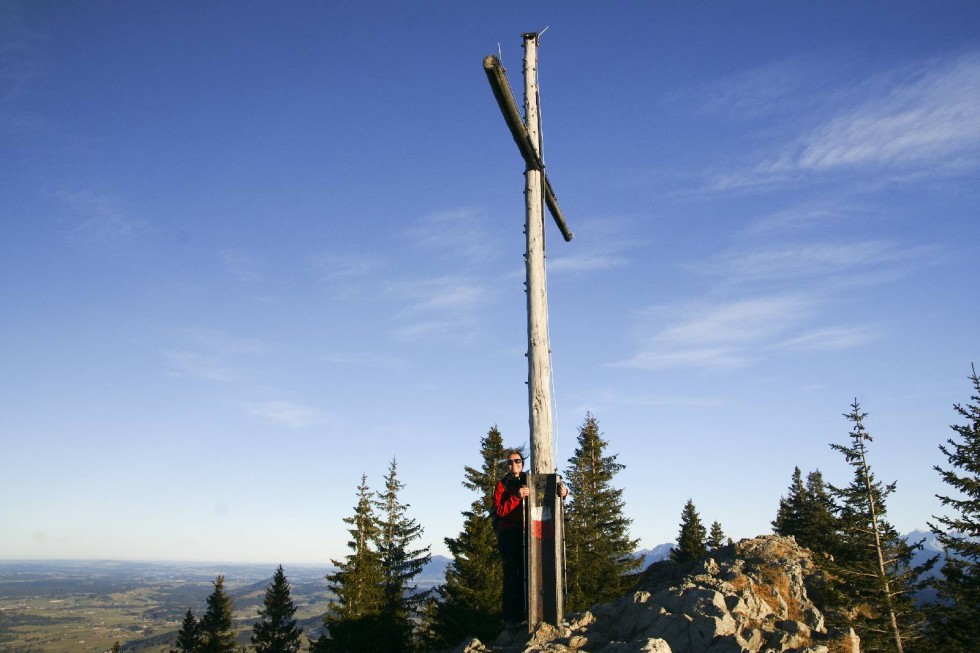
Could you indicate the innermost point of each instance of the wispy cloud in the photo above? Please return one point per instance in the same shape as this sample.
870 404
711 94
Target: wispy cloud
721 335
919 120
928 117
346 275
242 265
776 87
864 261
101 220
202 366
600 244
445 306
285 414
365 359
832 338
458 233
212 355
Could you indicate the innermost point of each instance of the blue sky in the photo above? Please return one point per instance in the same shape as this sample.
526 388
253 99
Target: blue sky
251 251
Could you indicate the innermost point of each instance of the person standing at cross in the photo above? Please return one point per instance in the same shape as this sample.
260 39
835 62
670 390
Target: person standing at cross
508 505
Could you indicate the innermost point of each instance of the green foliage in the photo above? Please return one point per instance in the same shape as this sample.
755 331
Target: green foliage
807 513
276 631
216 634
468 603
716 536
956 619
354 620
400 564
189 635
789 515
692 539
873 559
599 550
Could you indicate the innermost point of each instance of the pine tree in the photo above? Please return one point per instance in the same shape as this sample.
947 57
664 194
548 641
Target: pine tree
789 515
598 547
819 531
468 603
276 631
400 564
956 620
692 539
353 621
871 555
216 631
807 513
189 635
716 537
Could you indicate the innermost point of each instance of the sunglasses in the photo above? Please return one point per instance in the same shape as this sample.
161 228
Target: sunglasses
515 461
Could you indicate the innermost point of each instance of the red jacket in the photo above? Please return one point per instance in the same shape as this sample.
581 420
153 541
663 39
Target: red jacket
507 502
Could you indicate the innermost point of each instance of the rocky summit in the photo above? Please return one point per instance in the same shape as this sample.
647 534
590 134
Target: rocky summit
749 597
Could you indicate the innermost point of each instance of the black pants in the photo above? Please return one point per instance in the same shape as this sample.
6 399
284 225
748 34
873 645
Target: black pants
510 543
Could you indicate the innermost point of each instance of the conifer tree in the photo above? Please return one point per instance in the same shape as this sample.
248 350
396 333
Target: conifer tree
692 539
468 603
872 556
806 513
598 546
353 621
400 564
789 515
189 635
716 536
956 620
215 627
276 631
819 531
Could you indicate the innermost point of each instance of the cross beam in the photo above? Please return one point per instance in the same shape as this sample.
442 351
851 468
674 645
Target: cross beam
508 106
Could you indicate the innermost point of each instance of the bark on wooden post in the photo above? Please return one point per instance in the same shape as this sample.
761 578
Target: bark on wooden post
539 364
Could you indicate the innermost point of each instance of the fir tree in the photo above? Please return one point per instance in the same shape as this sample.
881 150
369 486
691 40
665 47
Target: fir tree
468 603
189 636
599 550
716 537
956 620
216 634
871 555
819 531
400 564
353 621
691 541
789 515
276 631
807 513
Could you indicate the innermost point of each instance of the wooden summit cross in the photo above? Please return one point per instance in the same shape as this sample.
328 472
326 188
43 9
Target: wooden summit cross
545 536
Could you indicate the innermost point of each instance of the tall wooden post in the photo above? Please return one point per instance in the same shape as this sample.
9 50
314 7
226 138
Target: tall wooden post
544 537
539 363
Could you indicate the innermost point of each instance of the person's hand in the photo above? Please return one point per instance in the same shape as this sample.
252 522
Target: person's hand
524 492
562 491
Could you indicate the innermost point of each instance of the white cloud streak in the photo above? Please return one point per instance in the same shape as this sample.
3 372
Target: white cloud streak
101 220
447 306
919 121
285 414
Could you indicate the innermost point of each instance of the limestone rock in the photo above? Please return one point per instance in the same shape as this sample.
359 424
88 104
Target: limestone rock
748 597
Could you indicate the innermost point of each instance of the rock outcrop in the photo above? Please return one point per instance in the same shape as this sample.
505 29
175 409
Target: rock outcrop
749 597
